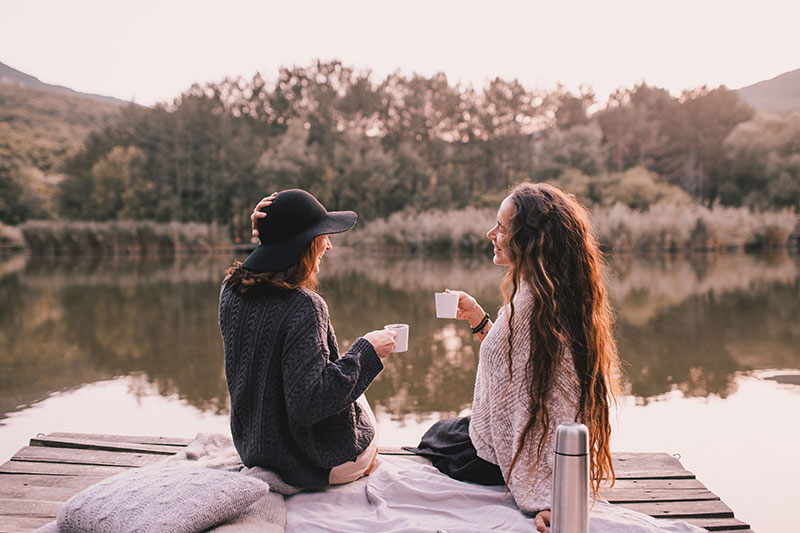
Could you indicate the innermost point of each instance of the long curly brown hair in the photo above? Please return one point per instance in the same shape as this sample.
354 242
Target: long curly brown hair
555 252
301 274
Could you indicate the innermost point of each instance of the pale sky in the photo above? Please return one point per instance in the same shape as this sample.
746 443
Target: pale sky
152 50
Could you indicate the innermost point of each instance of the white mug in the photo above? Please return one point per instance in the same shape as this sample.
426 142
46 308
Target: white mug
401 341
446 304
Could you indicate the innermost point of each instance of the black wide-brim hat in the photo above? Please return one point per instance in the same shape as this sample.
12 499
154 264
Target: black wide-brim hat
293 220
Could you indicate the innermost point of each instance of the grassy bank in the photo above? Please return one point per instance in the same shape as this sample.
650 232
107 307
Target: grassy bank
122 237
663 227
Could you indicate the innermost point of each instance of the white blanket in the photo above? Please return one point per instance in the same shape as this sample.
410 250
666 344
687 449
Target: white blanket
403 495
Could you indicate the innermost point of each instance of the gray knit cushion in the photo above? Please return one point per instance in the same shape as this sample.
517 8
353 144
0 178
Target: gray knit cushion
160 498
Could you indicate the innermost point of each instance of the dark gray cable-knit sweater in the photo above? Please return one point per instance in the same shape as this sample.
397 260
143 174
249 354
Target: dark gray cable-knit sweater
293 397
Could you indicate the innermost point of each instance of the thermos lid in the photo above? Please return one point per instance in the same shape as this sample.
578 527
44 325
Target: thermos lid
572 438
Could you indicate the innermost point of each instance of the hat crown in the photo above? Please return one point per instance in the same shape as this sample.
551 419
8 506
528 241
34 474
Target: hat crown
292 212
293 219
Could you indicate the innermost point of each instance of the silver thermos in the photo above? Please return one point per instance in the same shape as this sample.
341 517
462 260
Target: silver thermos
570 512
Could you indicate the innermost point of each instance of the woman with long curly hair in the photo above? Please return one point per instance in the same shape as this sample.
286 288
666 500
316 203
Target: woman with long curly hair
550 356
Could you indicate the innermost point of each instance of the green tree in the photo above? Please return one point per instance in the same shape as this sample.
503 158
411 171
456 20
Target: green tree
578 147
121 188
573 110
637 188
22 196
704 119
763 158
633 124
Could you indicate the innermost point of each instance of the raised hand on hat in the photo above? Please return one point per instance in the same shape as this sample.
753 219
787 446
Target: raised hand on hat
257 213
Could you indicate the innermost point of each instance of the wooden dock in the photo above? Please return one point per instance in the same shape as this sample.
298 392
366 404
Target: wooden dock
40 477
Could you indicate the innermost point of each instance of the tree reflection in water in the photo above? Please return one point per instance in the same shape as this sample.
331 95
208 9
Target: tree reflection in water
690 323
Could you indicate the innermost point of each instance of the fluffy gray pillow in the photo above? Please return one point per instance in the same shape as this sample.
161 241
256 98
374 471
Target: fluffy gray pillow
160 498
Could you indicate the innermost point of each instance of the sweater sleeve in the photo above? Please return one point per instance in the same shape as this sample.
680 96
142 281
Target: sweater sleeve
315 387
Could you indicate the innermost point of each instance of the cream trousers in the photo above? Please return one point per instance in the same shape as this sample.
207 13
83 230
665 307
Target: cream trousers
366 460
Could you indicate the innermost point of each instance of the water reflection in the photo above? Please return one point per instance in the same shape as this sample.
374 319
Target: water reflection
687 323
64 323
693 323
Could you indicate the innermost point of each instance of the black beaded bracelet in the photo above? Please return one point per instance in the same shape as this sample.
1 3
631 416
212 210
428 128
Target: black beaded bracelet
479 327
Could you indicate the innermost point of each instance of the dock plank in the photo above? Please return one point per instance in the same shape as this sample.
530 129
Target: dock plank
33 480
15 524
132 439
59 469
721 524
33 508
658 489
664 495
644 484
16 491
648 466
682 509
45 454
112 446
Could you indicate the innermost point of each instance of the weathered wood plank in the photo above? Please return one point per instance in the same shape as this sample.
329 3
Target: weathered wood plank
645 490
89 444
132 439
683 509
34 480
86 457
21 524
648 466
645 484
33 492
12 507
721 524
663 495
59 469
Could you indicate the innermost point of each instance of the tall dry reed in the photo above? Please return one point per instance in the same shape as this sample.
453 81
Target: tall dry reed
462 230
663 227
121 237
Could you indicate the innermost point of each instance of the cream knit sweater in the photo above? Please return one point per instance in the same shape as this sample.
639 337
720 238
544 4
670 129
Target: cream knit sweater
497 424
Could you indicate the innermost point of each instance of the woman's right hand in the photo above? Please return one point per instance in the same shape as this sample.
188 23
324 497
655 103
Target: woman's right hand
468 308
382 340
258 213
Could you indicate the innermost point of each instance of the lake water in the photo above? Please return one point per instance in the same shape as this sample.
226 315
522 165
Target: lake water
711 346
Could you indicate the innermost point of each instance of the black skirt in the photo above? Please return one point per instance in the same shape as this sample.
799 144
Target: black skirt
449 448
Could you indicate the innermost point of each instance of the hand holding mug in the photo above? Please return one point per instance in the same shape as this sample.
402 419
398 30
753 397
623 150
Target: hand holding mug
468 308
383 340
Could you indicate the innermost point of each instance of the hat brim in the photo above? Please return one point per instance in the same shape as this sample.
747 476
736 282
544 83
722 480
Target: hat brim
280 256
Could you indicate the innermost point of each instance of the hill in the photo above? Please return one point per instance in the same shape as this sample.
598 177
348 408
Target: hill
42 124
779 95
12 76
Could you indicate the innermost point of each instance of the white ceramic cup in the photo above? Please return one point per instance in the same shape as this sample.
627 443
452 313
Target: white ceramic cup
446 304
401 341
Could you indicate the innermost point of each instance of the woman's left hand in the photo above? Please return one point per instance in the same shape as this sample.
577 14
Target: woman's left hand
258 213
542 521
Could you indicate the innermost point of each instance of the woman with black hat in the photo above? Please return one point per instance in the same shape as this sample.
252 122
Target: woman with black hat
296 403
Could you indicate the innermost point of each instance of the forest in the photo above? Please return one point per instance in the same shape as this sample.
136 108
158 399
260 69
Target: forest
411 143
